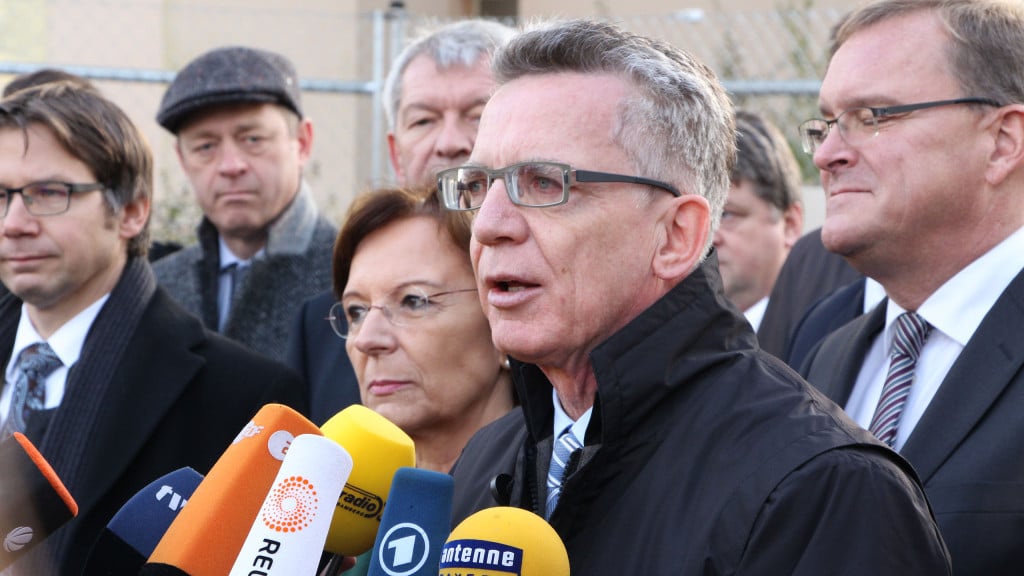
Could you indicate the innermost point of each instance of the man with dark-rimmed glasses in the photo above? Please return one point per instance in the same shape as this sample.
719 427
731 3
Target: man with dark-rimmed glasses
654 435
921 154
103 372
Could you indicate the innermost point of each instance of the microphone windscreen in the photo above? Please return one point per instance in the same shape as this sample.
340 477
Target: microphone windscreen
133 533
288 535
378 448
415 523
205 538
501 541
33 500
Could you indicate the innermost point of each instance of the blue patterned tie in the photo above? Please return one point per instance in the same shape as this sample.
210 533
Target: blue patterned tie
564 447
35 363
911 332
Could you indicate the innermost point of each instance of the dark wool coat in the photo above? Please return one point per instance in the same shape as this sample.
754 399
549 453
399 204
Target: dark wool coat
297 266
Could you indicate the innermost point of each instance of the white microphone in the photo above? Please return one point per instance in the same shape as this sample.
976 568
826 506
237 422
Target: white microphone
291 527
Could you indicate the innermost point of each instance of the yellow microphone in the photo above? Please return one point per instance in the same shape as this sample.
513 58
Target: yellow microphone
378 449
504 541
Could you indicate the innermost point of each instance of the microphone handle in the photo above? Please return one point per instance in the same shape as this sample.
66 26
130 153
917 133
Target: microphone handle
335 566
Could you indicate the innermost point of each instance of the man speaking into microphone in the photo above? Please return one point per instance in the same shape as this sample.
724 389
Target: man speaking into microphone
114 382
671 444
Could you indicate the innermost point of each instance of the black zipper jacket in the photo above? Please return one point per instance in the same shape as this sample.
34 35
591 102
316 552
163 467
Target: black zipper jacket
705 455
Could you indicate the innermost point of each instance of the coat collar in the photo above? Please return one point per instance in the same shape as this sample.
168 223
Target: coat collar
688 329
290 234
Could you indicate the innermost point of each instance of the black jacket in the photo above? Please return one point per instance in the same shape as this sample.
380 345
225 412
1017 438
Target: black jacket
705 455
177 397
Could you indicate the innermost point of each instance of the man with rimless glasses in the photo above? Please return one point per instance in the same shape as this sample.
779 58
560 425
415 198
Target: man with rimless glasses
654 435
921 152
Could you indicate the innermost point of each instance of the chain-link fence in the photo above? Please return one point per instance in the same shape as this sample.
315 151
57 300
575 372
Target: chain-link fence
771 62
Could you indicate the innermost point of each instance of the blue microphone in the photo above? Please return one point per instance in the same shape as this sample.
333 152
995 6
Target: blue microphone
416 521
133 533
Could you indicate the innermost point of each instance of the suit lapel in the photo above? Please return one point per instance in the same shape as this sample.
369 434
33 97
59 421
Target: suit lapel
10 314
988 363
155 369
835 368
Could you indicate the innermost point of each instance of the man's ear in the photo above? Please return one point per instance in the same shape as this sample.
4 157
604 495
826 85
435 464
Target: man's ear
793 224
1008 153
133 218
305 139
686 226
396 163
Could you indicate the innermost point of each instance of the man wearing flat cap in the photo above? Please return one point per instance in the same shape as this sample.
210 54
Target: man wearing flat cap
263 248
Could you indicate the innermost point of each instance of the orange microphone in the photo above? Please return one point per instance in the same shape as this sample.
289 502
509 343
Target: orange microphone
206 536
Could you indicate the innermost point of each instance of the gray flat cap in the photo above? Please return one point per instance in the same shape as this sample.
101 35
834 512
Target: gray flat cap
228 75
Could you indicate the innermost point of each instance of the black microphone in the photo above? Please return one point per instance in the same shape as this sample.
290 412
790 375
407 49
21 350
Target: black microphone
33 501
133 533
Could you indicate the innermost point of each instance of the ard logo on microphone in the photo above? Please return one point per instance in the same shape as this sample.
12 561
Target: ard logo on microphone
480 558
404 549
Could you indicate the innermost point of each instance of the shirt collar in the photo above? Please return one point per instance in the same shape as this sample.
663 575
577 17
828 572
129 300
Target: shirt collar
958 307
228 258
755 313
66 342
563 421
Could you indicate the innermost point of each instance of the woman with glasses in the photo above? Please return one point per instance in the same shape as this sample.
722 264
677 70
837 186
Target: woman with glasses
414 330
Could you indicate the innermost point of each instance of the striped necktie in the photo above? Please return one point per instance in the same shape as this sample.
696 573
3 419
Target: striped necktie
564 447
911 332
34 364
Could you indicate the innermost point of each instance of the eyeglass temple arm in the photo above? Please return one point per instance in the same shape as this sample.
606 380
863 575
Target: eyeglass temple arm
590 176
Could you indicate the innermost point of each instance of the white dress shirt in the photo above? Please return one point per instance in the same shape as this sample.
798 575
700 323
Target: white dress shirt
563 421
955 311
755 313
66 343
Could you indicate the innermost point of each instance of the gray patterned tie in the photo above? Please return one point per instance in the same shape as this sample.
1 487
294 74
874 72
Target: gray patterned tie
564 447
911 332
236 273
35 363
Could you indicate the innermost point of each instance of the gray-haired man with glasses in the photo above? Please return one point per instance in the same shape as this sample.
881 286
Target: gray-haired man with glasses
925 188
654 435
537 184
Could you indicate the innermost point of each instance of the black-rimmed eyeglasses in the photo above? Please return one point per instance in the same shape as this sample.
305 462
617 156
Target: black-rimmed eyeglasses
535 184
856 125
45 198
